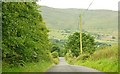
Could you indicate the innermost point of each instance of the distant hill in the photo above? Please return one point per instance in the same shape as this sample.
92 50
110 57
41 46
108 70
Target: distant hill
95 21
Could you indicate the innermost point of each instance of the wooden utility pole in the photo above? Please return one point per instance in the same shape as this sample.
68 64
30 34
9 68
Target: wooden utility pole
81 28
80 33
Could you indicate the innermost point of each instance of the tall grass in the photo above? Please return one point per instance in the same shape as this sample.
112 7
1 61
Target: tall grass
41 66
104 65
104 59
109 52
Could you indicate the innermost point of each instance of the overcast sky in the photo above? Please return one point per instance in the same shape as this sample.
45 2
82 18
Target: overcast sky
97 4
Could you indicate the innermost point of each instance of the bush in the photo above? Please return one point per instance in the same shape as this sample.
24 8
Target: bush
83 57
73 43
68 55
70 58
55 60
55 55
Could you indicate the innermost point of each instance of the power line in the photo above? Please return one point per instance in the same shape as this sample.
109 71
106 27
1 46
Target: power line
87 10
88 7
90 4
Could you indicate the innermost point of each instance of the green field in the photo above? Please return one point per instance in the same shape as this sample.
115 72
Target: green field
95 21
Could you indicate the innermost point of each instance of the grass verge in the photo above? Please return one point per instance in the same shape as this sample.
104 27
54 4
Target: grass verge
41 66
104 65
104 59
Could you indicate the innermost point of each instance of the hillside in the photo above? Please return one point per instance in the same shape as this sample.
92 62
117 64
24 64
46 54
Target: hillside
95 21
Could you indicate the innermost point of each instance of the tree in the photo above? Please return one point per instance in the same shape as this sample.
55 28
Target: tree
25 37
55 48
73 43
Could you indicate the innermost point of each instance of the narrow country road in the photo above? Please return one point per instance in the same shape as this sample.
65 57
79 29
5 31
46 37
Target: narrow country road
64 67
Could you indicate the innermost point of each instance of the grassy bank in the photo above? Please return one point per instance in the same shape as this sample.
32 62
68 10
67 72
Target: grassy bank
104 59
104 65
41 66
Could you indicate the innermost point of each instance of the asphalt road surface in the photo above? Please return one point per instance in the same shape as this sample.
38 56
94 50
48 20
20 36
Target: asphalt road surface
63 66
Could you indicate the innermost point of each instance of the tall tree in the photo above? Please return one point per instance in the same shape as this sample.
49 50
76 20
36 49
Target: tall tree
73 43
25 37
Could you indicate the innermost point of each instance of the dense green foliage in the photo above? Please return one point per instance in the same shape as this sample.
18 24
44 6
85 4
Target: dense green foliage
55 57
24 33
62 52
73 43
0 23
58 46
55 48
55 54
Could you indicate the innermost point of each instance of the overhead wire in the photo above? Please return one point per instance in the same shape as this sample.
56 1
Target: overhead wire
84 12
88 7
